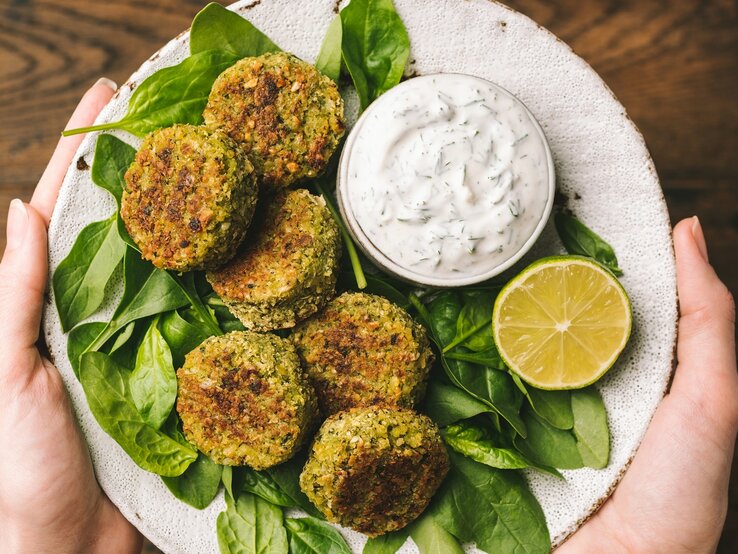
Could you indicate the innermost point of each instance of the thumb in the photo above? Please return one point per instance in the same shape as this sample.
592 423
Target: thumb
706 348
22 278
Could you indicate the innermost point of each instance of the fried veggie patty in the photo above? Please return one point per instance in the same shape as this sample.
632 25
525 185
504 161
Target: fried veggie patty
286 270
189 198
244 400
374 469
361 350
287 116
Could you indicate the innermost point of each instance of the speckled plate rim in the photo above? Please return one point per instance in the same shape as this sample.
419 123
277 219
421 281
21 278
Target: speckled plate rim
175 50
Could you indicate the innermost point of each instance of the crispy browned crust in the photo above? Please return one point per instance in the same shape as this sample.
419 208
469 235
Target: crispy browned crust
287 267
286 114
375 469
244 400
189 198
362 349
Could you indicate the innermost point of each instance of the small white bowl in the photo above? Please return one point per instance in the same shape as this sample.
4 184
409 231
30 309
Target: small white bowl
344 183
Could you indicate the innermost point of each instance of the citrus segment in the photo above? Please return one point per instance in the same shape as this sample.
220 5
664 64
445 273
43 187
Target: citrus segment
562 322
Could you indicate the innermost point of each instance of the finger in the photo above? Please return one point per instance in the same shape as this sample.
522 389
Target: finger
706 347
22 279
94 100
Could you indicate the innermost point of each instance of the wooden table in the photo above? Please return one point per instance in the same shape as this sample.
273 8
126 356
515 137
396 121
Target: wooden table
672 63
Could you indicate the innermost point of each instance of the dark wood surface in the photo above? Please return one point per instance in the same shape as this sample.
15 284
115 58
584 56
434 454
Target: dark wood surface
672 63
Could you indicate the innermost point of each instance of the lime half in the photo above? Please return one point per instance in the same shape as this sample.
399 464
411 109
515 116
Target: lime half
562 322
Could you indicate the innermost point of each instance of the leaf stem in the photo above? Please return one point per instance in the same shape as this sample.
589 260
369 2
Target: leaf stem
100 127
353 255
473 331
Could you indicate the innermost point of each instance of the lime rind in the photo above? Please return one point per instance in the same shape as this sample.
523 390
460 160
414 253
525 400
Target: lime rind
518 280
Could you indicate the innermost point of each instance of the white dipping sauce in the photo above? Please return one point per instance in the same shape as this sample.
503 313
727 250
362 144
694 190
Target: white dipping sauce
448 176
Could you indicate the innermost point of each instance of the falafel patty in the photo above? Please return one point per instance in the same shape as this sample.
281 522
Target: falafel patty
285 113
244 400
286 270
361 350
374 469
189 197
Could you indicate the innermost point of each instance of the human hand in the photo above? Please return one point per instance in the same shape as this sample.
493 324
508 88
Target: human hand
49 498
674 496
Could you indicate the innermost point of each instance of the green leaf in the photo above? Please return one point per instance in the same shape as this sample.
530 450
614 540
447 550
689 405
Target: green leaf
489 357
79 340
478 444
492 507
474 325
375 47
554 406
148 291
388 543
492 386
431 538
176 94
216 28
198 485
447 404
80 279
590 427
287 477
328 61
308 535
581 240
153 382
251 525
546 445
112 159
109 397
181 335
262 485
227 479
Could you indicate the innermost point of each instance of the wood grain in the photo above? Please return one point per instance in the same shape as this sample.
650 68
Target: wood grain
672 63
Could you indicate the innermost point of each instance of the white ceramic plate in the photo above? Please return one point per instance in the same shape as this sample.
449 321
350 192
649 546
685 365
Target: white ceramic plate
602 166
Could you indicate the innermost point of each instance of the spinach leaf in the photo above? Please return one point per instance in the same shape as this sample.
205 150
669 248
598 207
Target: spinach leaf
554 406
388 543
153 382
590 427
492 507
80 279
328 61
201 312
198 485
79 340
580 239
123 337
447 404
431 538
474 325
251 525
375 47
546 445
287 477
308 535
176 94
478 444
148 291
181 335
227 479
112 159
215 27
109 397
492 386
262 485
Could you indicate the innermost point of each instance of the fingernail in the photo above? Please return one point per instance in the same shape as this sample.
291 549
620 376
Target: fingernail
699 237
17 224
112 85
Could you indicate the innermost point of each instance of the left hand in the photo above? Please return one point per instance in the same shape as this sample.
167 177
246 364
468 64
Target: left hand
49 498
